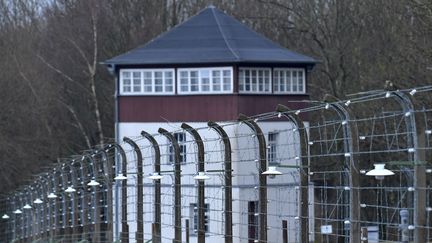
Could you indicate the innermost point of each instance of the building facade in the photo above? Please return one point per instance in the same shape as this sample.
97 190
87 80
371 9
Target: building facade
212 67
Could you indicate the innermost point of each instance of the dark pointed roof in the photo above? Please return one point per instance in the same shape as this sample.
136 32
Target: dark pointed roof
211 36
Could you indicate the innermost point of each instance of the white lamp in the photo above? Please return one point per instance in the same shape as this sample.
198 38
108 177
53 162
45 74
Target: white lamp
379 172
70 189
5 216
272 172
27 206
120 177
93 183
17 211
52 195
38 201
155 176
201 176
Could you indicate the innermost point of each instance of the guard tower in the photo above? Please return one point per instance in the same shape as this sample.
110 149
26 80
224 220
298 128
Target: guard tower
210 67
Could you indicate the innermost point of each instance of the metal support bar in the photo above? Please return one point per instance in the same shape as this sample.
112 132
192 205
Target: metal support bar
59 184
177 185
140 191
157 228
304 171
109 175
201 186
419 177
350 147
87 198
262 200
96 198
228 180
76 230
66 210
124 236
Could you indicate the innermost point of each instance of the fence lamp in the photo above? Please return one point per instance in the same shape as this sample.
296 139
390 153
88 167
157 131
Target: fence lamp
27 206
38 201
272 172
201 176
17 211
155 176
93 182
120 177
70 189
380 172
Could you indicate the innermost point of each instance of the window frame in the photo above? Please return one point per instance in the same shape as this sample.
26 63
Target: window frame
210 83
257 91
142 83
272 153
193 214
182 146
253 221
303 71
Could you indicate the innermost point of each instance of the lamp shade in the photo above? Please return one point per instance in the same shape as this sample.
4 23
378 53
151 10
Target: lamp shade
379 172
52 195
27 206
5 216
272 172
120 177
93 183
17 211
70 189
155 176
201 176
38 201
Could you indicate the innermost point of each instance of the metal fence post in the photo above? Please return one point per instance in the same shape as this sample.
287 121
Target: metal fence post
177 185
350 148
304 171
228 180
66 211
201 185
262 200
419 168
140 190
157 229
95 198
124 236
109 175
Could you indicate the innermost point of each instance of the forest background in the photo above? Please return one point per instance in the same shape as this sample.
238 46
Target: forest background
57 100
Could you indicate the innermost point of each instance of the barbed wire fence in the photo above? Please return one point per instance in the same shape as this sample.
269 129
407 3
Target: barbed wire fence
215 182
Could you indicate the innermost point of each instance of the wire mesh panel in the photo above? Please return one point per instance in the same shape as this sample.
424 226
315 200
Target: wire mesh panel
366 160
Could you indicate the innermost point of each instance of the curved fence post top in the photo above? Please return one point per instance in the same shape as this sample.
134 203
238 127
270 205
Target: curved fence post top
156 149
192 131
131 142
114 145
198 140
150 137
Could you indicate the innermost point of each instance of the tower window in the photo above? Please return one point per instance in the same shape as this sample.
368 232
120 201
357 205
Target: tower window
254 80
289 80
146 81
205 80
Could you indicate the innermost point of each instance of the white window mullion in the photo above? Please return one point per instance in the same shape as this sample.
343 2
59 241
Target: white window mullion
153 82
199 81
211 80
